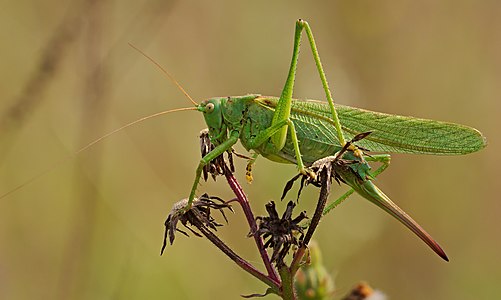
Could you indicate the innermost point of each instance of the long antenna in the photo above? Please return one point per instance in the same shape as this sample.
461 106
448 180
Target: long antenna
56 165
171 78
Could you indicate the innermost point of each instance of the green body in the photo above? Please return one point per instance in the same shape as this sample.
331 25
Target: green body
250 115
300 132
317 134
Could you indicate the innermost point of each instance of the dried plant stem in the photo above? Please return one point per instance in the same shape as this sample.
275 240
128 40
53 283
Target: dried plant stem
325 175
244 202
242 263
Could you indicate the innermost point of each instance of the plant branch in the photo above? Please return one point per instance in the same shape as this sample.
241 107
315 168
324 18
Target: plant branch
325 175
288 290
244 202
242 263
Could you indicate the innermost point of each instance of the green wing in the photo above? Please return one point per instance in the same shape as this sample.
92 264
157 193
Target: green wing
397 134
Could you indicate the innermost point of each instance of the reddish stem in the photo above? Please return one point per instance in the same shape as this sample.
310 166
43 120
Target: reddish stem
244 202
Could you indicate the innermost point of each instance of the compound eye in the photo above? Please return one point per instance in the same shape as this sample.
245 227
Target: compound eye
209 107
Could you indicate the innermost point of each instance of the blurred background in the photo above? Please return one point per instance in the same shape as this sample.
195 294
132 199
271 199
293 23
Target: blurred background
92 227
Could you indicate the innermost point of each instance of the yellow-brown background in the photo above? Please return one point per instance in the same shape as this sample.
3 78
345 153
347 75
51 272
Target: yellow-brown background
92 228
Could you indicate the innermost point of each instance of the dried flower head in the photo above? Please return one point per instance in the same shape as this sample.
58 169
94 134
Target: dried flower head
345 161
199 216
280 234
216 166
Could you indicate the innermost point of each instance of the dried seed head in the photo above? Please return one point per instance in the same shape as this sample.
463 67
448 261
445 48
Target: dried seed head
347 160
216 166
280 234
199 216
